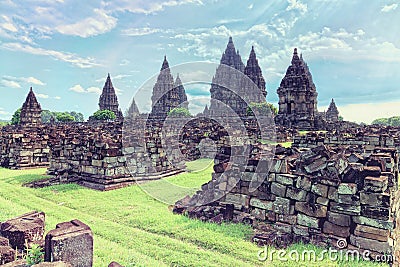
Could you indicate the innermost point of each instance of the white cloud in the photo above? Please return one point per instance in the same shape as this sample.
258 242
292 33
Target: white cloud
124 62
18 80
3 112
42 96
79 89
100 23
250 6
93 89
57 97
388 8
146 7
11 84
140 31
57 55
296 5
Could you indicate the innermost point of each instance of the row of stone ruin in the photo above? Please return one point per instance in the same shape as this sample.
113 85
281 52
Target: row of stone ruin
320 196
69 244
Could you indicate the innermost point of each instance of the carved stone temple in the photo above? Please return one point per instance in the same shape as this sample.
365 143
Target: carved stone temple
31 110
108 99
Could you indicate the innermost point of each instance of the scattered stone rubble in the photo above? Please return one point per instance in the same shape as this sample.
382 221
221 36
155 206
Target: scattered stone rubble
322 195
69 245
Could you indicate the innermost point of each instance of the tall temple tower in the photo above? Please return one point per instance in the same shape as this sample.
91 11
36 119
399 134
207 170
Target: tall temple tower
31 110
108 99
167 94
297 96
253 71
223 96
332 114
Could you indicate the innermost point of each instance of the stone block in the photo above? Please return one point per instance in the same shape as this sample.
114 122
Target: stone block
53 264
347 189
333 193
300 230
371 232
308 221
285 179
370 244
323 201
349 199
278 189
375 199
375 184
313 210
320 190
382 224
345 208
71 242
381 213
339 219
303 183
296 193
7 254
266 205
26 228
4 241
282 206
331 228
238 200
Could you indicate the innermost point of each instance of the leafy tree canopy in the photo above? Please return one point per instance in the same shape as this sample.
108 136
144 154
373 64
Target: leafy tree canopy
104 114
263 108
392 121
16 116
179 112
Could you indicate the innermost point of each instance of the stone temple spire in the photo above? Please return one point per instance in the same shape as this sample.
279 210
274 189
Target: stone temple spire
231 57
181 92
165 64
108 98
297 96
167 94
332 114
31 110
253 71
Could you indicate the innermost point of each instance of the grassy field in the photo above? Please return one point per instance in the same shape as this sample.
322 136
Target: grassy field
134 229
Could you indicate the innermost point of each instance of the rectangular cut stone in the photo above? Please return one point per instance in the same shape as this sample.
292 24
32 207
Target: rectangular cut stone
300 230
345 208
308 221
375 199
382 224
71 242
285 179
283 227
314 210
320 189
278 189
370 244
375 184
296 193
331 228
339 219
237 199
303 183
282 206
24 229
323 201
347 189
258 213
333 193
349 199
371 233
266 205
375 212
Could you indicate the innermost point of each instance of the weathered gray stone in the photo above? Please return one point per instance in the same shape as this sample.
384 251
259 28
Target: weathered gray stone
331 228
262 204
71 242
320 189
339 219
345 208
314 210
285 179
375 199
373 222
370 244
278 189
347 189
308 221
296 193
282 206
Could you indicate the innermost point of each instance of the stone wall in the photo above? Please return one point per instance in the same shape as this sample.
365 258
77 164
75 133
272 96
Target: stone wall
322 196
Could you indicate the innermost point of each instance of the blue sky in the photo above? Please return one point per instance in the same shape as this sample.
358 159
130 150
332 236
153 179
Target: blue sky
65 48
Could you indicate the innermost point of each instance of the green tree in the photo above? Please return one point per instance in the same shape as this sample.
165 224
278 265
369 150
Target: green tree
179 112
77 115
64 117
16 117
104 114
341 118
263 108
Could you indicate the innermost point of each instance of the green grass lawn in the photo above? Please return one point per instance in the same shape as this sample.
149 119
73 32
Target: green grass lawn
134 229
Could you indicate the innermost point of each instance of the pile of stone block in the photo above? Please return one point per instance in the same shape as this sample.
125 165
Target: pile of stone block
69 245
315 196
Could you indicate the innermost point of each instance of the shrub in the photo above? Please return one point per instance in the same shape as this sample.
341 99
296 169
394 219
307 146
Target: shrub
263 108
104 114
179 112
34 255
16 117
64 117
